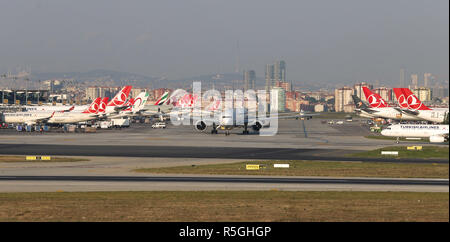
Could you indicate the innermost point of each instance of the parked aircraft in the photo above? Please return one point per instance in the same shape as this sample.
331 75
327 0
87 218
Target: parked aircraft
380 109
31 118
412 106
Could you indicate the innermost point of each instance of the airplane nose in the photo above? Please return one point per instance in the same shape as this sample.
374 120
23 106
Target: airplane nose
383 132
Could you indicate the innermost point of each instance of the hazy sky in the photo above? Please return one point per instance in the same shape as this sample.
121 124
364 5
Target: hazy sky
328 40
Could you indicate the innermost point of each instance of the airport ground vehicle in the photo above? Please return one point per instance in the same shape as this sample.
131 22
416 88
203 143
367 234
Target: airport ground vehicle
159 125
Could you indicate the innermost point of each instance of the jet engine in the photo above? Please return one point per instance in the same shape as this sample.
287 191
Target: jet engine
200 126
257 126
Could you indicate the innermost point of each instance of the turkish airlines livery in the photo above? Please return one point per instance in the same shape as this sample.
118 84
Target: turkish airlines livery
436 133
380 109
31 118
88 114
411 105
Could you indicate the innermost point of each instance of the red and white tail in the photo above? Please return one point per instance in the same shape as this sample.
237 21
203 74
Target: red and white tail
129 104
121 97
93 108
103 103
401 100
187 101
374 99
413 102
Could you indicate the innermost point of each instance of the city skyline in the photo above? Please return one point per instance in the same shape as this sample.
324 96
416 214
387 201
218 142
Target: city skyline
326 42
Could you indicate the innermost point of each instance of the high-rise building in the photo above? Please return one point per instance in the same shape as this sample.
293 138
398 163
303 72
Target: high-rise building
402 77
414 81
275 72
277 99
384 92
269 77
92 93
359 90
423 93
279 72
343 98
249 80
427 77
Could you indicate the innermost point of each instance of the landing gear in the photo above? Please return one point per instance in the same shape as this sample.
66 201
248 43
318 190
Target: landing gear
214 130
245 129
398 140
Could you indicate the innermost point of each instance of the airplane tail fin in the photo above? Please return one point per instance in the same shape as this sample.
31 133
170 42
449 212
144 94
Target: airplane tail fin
102 106
401 100
162 99
121 97
413 102
140 101
374 99
129 104
93 108
358 102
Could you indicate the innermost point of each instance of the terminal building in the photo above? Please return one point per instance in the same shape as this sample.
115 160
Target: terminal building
24 97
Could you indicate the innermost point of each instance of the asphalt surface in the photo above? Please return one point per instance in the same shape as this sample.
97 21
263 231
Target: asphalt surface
196 152
367 181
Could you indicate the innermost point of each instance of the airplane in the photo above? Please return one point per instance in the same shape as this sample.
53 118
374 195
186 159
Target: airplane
362 109
233 118
28 118
436 133
80 108
117 102
305 115
90 113
31 118
412 106
159 107
135 106
380 109
48 108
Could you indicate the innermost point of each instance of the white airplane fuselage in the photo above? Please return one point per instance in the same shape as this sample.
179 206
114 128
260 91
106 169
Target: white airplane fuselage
24 117
392 113
71 117
436 132
436 115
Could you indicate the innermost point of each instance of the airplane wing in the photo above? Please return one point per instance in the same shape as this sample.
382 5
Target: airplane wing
407 111
369 110
44 120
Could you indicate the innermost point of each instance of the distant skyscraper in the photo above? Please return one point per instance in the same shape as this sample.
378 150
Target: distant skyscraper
402 77
269 77
427 77
414 80
279 72
275 73
249 79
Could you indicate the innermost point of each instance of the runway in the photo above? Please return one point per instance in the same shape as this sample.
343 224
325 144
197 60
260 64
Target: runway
249 153
214 183
242 179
